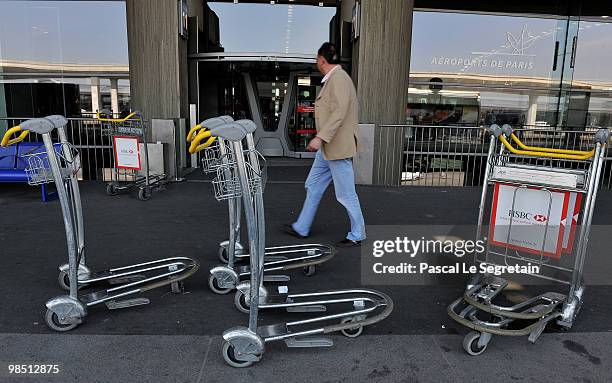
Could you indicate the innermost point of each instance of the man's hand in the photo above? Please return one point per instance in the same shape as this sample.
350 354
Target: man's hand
314 144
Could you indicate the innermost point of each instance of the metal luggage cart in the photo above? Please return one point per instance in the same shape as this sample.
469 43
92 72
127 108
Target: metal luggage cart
549 180
217 157
59 163
244 346
138 175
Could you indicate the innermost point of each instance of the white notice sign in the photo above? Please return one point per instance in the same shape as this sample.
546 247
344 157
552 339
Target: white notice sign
127 153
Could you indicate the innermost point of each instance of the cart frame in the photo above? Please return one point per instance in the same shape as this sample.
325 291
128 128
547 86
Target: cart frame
132 125
536 168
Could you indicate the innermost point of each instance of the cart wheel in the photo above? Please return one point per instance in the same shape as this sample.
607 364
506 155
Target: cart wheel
230 358
352 332
111 189
241 303
54 324
223 254
177 287
64 280
144 193
214 286
309 270
470 344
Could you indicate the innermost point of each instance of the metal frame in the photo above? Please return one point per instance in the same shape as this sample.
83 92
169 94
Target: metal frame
245 345
66 312
131 126
253 56
469 144
220 158
482 290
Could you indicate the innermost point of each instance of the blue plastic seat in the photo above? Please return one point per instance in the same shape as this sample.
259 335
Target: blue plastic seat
12 165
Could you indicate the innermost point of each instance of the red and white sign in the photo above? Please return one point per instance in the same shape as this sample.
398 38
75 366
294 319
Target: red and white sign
536 221
305 108
127 152
573 210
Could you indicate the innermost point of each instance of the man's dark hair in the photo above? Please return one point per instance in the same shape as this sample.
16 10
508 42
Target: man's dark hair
329 52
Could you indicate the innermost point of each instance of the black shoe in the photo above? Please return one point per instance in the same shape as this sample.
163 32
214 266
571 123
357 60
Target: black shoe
348 243
290 230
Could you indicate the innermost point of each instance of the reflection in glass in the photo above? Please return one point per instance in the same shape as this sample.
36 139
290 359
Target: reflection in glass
484 49
277 28
52 51
490 69
469 106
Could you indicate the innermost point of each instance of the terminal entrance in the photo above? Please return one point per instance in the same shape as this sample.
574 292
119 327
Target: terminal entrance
278 96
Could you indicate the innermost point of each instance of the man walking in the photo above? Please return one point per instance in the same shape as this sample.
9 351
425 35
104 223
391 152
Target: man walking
335 144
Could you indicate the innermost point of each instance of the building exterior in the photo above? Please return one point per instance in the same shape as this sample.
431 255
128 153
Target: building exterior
415 62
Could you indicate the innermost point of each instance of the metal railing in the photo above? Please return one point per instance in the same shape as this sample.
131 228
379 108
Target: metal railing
456 155
86 135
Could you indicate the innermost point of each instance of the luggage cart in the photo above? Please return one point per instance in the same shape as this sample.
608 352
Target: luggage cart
544 178
225 278
125 177
244 346
59 163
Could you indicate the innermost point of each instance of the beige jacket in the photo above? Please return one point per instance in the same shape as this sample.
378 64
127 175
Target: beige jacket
336 116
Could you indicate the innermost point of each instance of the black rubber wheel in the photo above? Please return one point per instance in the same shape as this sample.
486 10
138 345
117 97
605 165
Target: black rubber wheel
144 193
309 270
241 303
64 280
223 254
214 286
351 332
470 344
111 189
54 324
230 358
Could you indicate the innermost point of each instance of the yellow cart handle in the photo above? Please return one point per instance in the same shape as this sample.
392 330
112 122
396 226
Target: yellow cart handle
590 153
7 140
536 153
99 118
192 132
195 144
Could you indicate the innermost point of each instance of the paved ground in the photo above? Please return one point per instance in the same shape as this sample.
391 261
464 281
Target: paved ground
176 338
371 358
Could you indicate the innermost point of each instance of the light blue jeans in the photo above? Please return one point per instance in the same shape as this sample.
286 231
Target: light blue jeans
322 173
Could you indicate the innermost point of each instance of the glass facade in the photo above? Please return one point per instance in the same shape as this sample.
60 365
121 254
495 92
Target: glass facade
523 70
278 28
66 57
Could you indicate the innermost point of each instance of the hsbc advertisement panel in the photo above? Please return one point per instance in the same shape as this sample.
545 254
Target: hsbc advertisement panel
529 219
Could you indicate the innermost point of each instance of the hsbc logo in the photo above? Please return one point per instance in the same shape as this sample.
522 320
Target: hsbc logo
540 218
519 214
527 216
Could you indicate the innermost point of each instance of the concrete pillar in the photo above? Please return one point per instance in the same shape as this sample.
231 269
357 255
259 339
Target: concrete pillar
346 10
158 59
114 93
159 71
380 69
95 95
532 111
